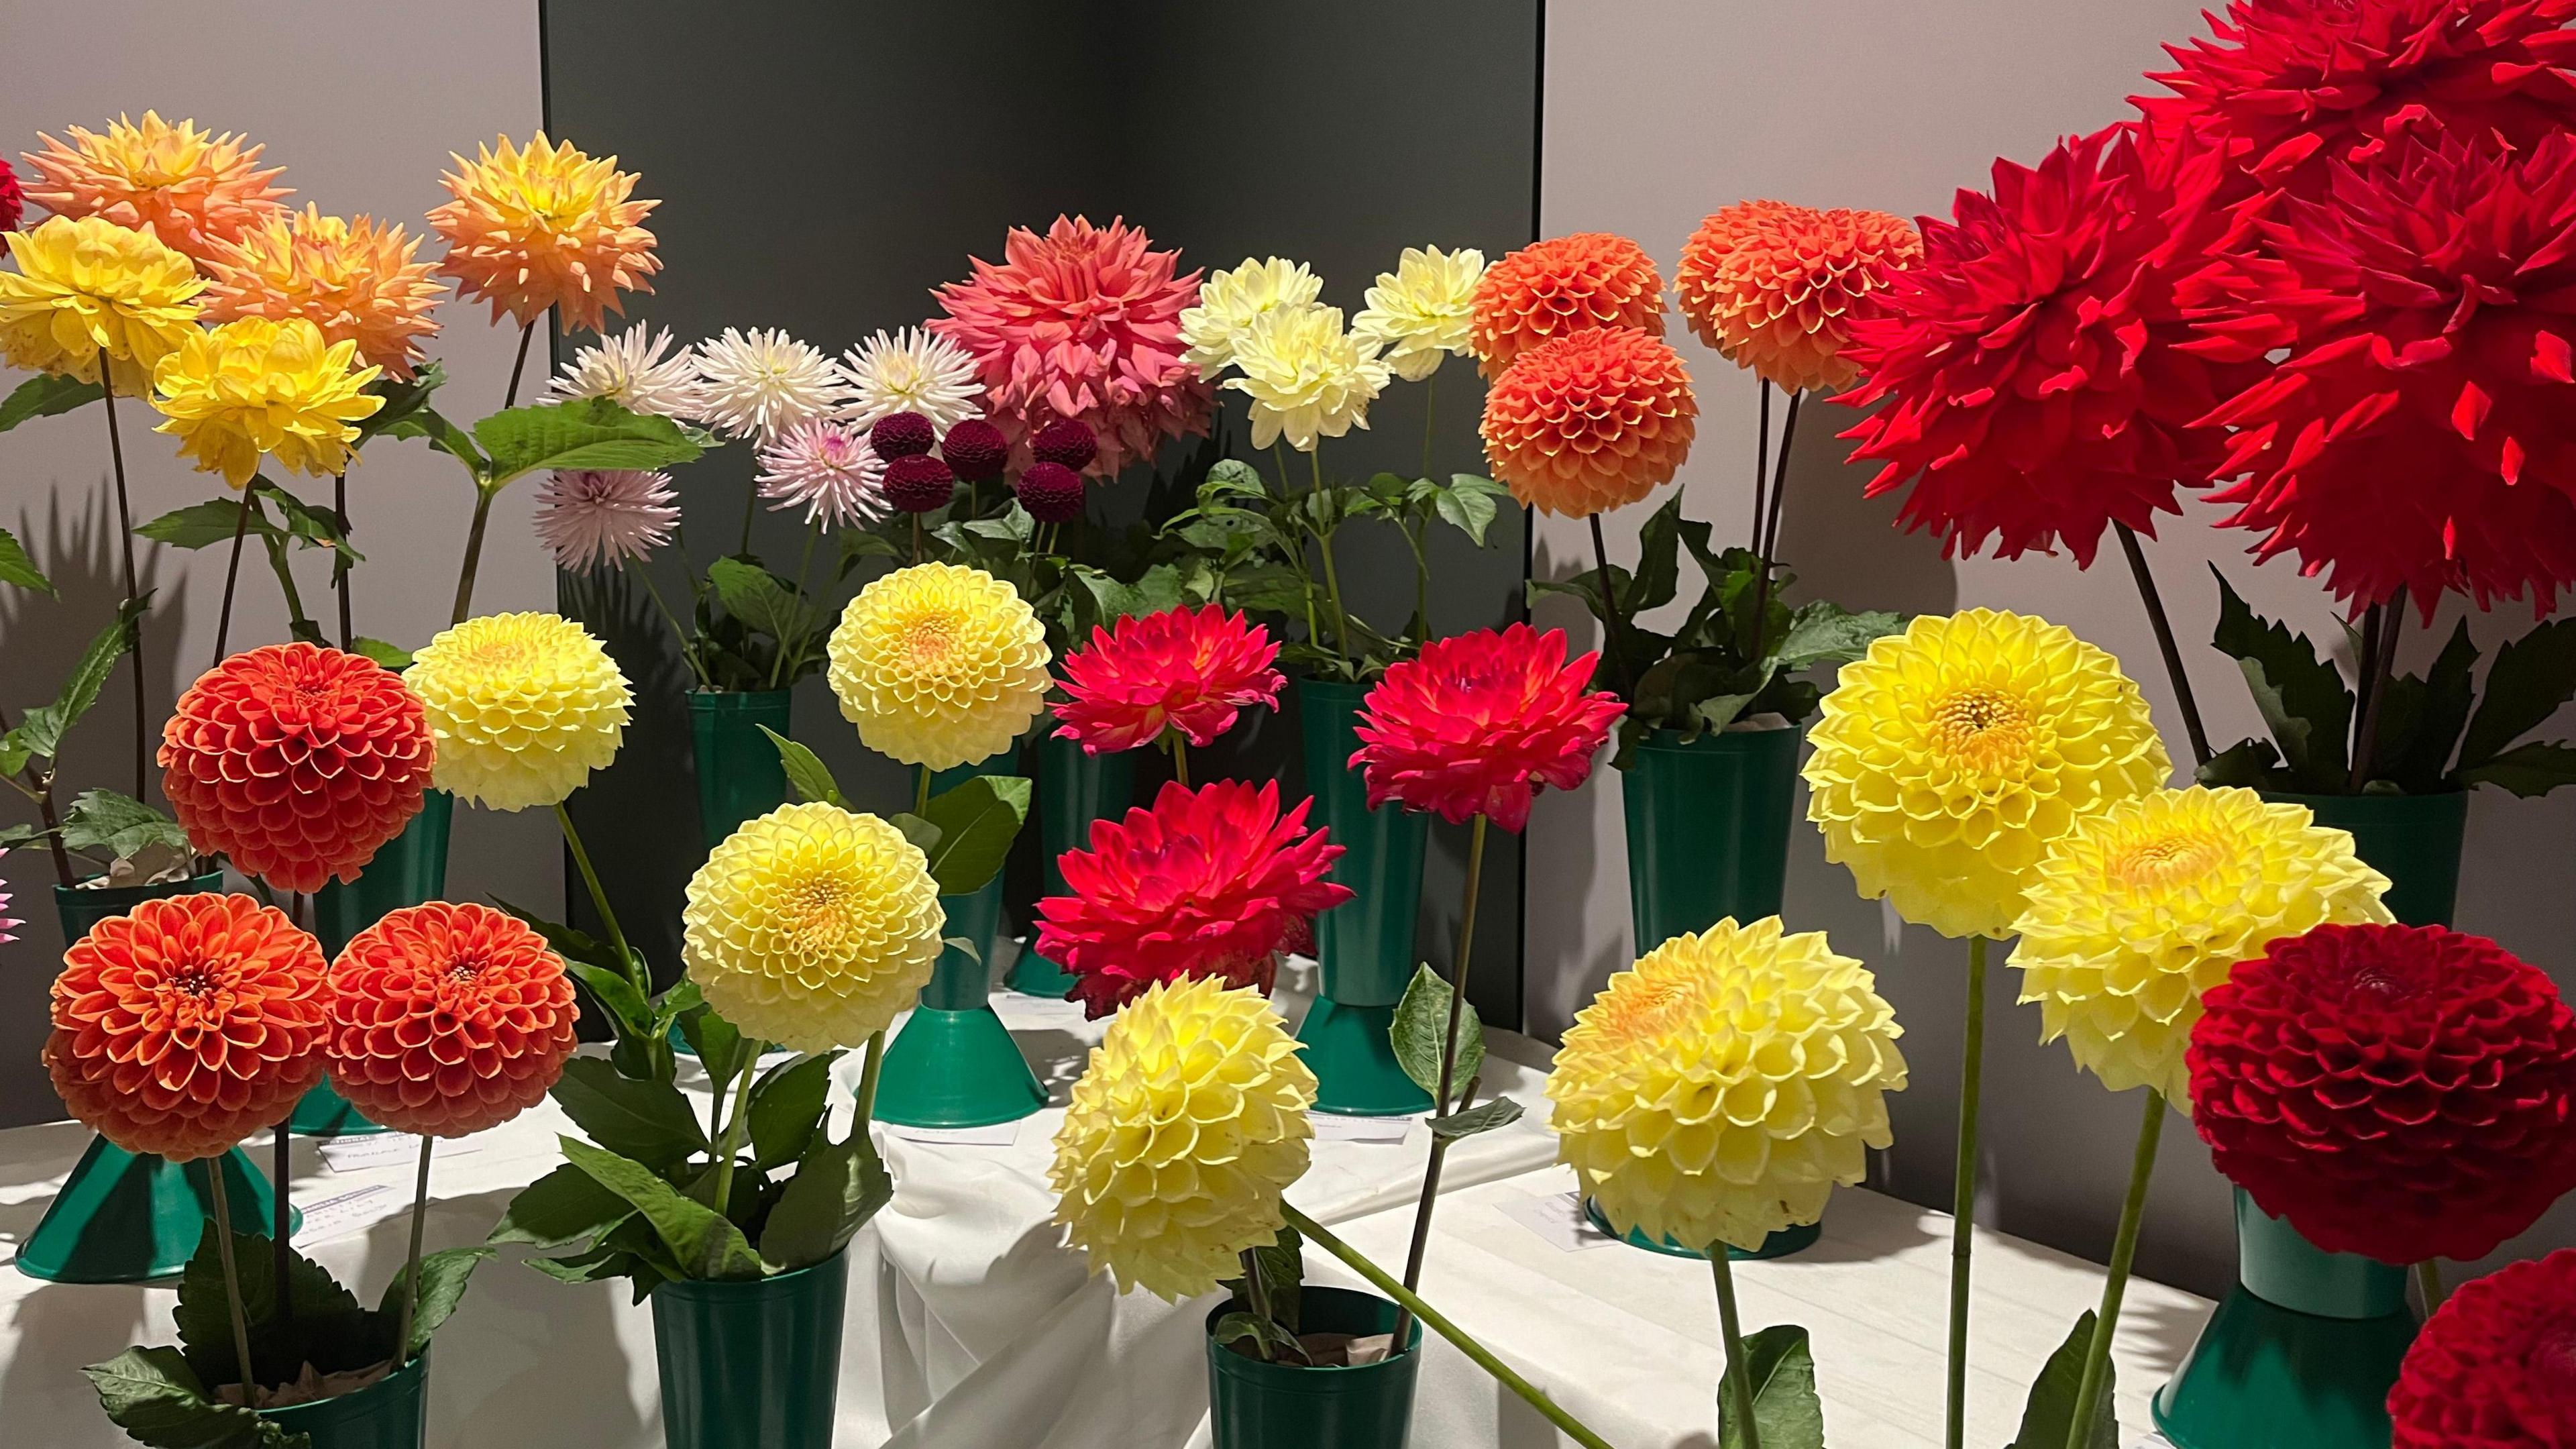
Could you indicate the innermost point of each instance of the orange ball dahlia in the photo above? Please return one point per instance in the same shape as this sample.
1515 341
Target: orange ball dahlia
188 1025
1475 723
193 189
545 227
1775 286
298 762
353 278
1591 421
1182 670
1563 285
448 1019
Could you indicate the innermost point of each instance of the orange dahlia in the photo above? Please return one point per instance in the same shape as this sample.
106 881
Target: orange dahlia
193 189
1591 421
447 1019
1184 670
1561 285
1774 286
352 278
545 227
185 1027
298 762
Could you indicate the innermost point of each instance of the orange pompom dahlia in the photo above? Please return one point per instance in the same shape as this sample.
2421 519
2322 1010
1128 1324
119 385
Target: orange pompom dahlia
1775 286
185 1027
1590 422
1193 672
193 189
545 227
1563 285
448 1019
298 762
351 277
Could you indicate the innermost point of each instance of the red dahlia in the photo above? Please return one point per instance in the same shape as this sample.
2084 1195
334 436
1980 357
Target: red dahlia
1477 722
447 1019
1188 671
2496 1367
298 762
13 200
2402 1092
1207 883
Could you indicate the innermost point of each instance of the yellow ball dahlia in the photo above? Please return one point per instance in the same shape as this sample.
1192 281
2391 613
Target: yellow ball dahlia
1186 1127
352 277
87 289
2141 908
1307 378
1718 1090
193 189
812 926
1950 757
522 708
939 665
545 227
1423 310
254 387
1228 301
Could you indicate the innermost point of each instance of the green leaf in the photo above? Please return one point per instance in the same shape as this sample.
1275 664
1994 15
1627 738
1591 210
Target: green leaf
119 824
1233 475
402 399
13 836
157 1400
2050 1411
44 395
1267 588
566 1205
701 1241
837 1188
1659 564
1158 589
41 731
584 433
1822 633
626 1005
391 656
2530 770
646 1120
806 771
1283 1278
1421 1032
588 1267
1243 1326
568 942
2302 698
443 435
755 596
1500 1112
2249 764
202 525
787 1104
1469 509
923 835
443 1276
2531 677
977 821
2421 759
303 521
17 568
722 1050
1785 1408
330 1331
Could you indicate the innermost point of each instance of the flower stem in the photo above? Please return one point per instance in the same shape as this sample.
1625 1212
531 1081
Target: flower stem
133 589
1428 416
1180 757
688 647
339 559
1415 1308
872 1065
519 368
2163 625
1259 1292
1614 627
1739 1375
2377 673
282 1221
483 497
599 901
1332 576
232 575
2428 1278
1768 548
2124 1253
729 1142
921 793
813 531
1963 1190
1448 1065
411 1272
232 1274
1761 468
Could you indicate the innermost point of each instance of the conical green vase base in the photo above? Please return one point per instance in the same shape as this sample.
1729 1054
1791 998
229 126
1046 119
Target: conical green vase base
1035 975
122 1217
1352 1054
2263 1375
956 1069
323 1112
1779 1245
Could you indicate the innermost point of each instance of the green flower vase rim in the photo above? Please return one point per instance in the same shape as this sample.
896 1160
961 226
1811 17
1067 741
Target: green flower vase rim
720 1288
1412 1347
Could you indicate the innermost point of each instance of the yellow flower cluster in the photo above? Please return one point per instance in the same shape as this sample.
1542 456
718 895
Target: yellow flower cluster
1308 379
1421 312
87 289
254 387
1231 298
939 665
522 708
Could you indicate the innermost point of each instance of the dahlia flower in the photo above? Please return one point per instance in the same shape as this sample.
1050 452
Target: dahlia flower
1065 443
1950 757
2035 390
1184 1130
1203 884
826 468
188 1024
523 707
939 665
1717 1091
630 371
976 451
812 927
193 189
296 761
1231 298
253 388
353 278
1563 285
919 483
911 371
2495 1366
902 435
1591 421
763 382
1082 323
13 199
1307 378
2402 1092
2143 906
446 1020
1420 313
1192 672
1475 723
88 289
545 227
1775 287
590 518
9 924
1051 492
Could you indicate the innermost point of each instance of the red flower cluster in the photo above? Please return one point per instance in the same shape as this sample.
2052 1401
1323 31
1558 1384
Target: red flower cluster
2402 1092
448 1019
13 198
1475 723
1207 883
1188 671
2495 1368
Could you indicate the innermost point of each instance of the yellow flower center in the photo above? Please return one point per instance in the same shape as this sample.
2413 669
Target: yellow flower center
2168 860
928 639
1648 1010
818 907
1981 725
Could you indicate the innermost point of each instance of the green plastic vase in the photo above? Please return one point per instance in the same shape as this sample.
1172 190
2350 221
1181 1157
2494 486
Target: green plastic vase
1074 788
2414 840
410 870
754 1364
1708 829
2302 1352
391 1413
740 776
1256 1405
1364 945
1779 1245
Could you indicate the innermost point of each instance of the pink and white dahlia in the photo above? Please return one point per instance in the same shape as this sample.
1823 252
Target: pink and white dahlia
912 371
594 517
630 370
829 470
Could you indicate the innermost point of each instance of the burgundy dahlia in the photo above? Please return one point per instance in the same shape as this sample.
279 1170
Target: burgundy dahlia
976 450
1067 442
1051 492
2496 1367
918 482
902 435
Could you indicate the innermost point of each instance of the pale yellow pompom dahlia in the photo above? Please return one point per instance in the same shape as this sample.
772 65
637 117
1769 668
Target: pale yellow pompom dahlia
1186 1127
2143 907
522 706
812 926
939 665
1719 1089
1950 757
1231 298
254 387
1423 310
1307 378
89 289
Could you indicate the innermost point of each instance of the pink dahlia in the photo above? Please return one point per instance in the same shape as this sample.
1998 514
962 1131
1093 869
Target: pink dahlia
590 518
1477 722
826 468
1081 324
1179 670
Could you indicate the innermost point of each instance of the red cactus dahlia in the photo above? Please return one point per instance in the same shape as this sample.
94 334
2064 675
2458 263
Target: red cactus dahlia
296 761
2402 1092
1475 723
1207 883
13 198
1189 671
2495 1368
447 1019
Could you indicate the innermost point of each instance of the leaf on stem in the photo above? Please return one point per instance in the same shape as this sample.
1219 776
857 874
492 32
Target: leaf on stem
787 1106
40 733
45 395
1421 1033
702 1242
17 568
565 1206
648 1121
977 821
806 772
1785 1407
1500 1112
119 824
2531 677
2302 697
443 1276
583 433
154 1396
838 1186
2050 1411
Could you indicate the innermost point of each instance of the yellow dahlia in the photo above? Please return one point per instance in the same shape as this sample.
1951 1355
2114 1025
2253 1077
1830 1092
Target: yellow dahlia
254 386
1307 378
812 927
1950 757
86 288
1423 310
522 708
2144 906
545 227
193 189
939 665
1717 1091
1186 1127
353 278
1229 300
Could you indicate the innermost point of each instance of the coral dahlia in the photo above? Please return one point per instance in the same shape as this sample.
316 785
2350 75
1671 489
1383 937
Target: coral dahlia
2495 1367
193 189
1476 723
448 1019
353 278
1775 287
1183 670
1563 285
1591 421
544 227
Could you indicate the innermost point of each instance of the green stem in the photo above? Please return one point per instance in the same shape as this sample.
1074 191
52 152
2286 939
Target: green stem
2428 1277
2124 1253
1448 1064
1428 384
339 559
813 530
1614 628
1180 757
729 1142
134 631
1963 1190
1739 1375
1421 583
871 1066
921 793
232 576
519 367
473 555
411 1274
599 901
1332 576
688 646
1259 1293
232 1274
298 623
